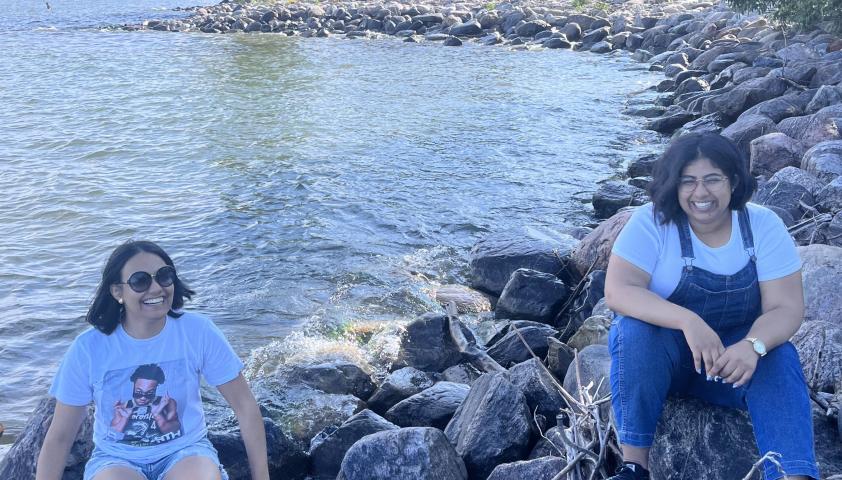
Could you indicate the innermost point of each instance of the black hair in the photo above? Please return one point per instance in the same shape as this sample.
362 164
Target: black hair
149 371
105 313
686 149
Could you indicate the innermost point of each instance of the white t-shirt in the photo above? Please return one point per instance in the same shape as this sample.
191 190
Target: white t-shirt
131 380
656 248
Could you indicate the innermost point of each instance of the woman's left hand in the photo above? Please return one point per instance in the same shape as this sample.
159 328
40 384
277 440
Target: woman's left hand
736 365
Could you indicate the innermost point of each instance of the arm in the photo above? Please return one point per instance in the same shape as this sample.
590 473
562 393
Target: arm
627 293
782 303
60 436
239 396
166 415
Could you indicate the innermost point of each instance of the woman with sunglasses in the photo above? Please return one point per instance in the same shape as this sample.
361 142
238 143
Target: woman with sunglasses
707 291
141 366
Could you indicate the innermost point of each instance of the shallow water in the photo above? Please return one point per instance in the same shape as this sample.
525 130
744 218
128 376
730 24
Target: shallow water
295 181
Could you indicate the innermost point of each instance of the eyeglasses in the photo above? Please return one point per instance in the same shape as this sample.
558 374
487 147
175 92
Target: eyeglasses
150 395
713 183
141 281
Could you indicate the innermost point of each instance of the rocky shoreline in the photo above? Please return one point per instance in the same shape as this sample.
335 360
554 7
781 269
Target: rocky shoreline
499 387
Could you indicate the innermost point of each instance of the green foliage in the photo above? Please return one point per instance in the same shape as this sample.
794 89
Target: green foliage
806 13
490 6
582 5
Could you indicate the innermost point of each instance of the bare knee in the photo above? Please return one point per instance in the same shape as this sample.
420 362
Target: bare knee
194 468
118 473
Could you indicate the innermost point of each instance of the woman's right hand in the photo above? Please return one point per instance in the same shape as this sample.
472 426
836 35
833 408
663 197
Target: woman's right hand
704 343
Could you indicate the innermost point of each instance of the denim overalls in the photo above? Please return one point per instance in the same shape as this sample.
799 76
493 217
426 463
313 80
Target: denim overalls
649 362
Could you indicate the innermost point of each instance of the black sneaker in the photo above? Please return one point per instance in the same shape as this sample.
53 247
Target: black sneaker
631 471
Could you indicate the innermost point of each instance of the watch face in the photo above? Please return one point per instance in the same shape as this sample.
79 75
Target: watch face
759 347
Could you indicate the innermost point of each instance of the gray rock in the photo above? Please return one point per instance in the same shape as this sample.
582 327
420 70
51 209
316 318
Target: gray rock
826 96
406 453
787 196
429 18
328 448
510 349
594 36
691 85
813 129
467 299
643 166
611 196
464 373
646 112
335 376
532 295
572 31
559 357
669 123
593 251
468 29
511 19
426 344
748 128
819 346
594 366
399 385
601 47
801 74
538 469
286 458
824 160
556 42
594 331
582 20
821 273
710 123
492 426
492 39
452 41
746 95
828 72
745 74
542 396
494 258
773 152
797 52
550 445
532 28
432 407
799 177
779 108
829 198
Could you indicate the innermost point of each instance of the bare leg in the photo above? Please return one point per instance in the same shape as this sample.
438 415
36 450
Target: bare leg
194 468
638 455
118 473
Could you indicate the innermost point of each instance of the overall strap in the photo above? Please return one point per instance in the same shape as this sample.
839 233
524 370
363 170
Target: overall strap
745 230
686 242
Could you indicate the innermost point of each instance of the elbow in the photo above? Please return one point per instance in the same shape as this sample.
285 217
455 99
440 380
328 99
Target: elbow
611 299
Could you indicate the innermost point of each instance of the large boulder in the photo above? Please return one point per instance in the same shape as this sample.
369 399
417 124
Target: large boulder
745 95
398 385
335 376
538 469
813 129
747 129
542 395
787 196
819 346
826 96
594 367
467 299
467 29
559 357
286 457
426 344
492 426
779 108
328 448
821 272
510 349
595 248
594 331
432 407
419 452
531 28
773 152
532 295
643 166
20 460
799 177
611 196
829 198
494 258
824 160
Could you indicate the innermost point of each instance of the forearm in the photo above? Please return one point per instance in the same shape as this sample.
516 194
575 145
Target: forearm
777 326
52 459
254 438
645 305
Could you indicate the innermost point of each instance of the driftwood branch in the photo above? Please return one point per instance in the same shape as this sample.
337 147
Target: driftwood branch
772 457
476 355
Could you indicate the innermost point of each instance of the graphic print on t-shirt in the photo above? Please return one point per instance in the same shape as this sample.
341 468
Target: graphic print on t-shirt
144 403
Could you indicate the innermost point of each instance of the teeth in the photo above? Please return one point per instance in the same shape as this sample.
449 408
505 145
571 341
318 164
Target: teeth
703 205
154 301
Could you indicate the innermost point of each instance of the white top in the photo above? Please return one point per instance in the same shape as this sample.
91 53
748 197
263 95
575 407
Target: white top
99 367
656 248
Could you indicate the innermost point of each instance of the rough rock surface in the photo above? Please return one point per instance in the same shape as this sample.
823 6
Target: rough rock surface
773 152
787 196
594 331
538 469
286 457
594 366
398 385
419 452
819 346
328 448
426 344
798 177
532 295
824 160
612 196
335 376
510 349
542 396
467 299
594 250
822 273
432 407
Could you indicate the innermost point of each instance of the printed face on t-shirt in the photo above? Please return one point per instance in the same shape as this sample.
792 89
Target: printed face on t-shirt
144 391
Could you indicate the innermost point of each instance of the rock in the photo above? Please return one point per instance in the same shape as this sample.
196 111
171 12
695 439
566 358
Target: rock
399 385
824 160
611 196
593 251
643 166
556 42
426 344
19 462
531 28
799 177
329 447
801 74
674 69
559 357
286 458
572 31
593 332
787 196
468 29
773 152
550 445
813 129
797 52
748 128
432 407
532 295
594 36
429 18
406 453
669 123
821 273
510 349
583 304
779 108
494 258
542 396
829 198
819 346
335 376
691 85
463 373
492 39
601 47
467 299
646 112
492 425
511 19
826 96
538 469
745 95
827 73
594 366
452 42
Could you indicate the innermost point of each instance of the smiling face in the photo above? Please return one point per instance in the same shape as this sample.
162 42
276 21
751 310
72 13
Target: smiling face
144 391
707 202
151 305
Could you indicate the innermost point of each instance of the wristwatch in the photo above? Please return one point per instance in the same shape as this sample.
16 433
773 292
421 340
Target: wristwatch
758 345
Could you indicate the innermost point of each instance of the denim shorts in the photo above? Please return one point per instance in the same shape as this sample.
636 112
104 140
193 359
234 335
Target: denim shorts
155 470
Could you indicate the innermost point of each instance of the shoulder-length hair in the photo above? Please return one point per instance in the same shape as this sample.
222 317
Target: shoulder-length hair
105 313
684 150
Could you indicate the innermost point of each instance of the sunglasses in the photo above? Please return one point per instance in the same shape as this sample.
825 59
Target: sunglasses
141 281
150 395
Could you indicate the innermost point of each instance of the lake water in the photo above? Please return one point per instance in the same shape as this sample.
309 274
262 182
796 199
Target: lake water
297 182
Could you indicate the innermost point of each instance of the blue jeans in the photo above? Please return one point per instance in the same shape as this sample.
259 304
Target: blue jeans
648 363
155 470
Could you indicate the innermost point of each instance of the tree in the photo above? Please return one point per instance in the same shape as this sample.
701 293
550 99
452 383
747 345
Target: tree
807 13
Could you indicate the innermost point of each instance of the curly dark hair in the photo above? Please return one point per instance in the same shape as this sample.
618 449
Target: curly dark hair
150 371
685 150
105 313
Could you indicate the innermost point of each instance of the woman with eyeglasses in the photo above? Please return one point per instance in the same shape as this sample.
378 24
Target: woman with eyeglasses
707 291
141 365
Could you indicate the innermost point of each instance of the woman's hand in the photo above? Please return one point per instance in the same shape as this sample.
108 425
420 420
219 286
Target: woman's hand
704 343
121 416
737 364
